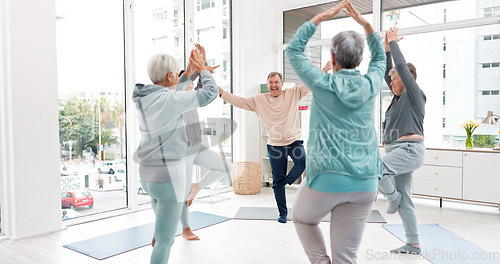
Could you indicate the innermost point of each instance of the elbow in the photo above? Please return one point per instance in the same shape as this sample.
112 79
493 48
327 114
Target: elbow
291 51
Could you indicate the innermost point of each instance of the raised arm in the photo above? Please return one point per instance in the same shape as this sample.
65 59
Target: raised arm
188 75
377 66
388 56
184 81
183 101
387 78
400 63
303 67
352 12
240 102
303 89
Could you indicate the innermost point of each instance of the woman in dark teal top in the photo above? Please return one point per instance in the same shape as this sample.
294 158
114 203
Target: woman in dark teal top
343 163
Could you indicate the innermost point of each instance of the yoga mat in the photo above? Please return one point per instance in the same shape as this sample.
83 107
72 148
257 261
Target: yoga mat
112 244
441 246
271 213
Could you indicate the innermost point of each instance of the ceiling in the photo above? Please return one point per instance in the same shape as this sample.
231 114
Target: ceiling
363 6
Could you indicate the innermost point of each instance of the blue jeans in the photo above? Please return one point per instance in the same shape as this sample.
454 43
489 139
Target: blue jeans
400 160
278 157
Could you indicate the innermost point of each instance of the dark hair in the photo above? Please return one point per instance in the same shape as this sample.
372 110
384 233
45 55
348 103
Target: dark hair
272 74
410 67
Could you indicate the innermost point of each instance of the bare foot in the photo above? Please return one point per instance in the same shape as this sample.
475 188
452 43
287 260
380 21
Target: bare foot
153 241
195 188
188 234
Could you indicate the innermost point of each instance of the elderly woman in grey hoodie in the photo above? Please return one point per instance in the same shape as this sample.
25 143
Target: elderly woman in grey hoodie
197 154
164 144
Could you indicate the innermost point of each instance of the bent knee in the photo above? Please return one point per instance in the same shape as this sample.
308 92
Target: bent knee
298 218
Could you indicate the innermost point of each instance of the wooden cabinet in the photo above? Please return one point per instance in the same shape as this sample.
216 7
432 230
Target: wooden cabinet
440 175
481 177
438 181
471 175
443 158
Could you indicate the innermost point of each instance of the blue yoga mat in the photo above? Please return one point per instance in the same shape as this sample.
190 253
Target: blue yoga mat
441 246
112 244
271 213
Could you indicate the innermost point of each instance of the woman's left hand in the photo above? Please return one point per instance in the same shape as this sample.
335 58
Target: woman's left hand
202 51
392 34
329 14
197 60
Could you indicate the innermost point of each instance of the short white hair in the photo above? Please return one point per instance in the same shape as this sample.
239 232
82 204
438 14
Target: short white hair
159 65
348 48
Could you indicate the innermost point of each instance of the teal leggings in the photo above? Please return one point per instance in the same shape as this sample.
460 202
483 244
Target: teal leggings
167 209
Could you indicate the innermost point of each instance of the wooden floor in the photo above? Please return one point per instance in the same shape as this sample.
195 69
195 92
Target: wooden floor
251 242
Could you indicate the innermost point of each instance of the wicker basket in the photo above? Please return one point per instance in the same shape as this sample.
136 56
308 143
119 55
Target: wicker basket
245 177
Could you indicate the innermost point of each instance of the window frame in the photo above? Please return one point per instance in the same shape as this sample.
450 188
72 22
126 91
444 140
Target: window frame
377 19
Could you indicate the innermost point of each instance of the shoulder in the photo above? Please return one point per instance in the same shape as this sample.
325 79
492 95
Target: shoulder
260 96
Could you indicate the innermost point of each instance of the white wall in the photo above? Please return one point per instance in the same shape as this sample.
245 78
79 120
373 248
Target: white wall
256 37
29 119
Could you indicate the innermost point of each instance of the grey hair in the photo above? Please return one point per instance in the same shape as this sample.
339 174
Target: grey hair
348 48
411 68
159 65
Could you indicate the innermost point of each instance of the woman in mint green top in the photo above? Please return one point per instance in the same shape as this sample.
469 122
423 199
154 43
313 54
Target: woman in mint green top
343 163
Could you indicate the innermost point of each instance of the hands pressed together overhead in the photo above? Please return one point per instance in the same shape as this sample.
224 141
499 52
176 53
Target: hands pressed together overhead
347 7
198 61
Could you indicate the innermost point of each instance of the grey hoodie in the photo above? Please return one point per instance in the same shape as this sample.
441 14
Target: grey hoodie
161 119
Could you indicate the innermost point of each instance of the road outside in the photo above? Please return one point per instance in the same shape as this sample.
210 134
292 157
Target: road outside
111 196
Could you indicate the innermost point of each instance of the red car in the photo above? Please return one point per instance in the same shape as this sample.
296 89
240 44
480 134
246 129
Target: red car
76 198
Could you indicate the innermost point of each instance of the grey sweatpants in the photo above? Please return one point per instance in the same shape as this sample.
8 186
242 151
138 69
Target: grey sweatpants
400 160
349 213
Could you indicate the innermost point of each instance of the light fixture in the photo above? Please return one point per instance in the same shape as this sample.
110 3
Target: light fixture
490 120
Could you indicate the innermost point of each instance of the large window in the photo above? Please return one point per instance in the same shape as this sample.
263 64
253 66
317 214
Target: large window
457 64
91 106
459 60
92 84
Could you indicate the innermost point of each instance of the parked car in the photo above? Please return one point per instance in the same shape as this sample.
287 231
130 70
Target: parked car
112 166
77 198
